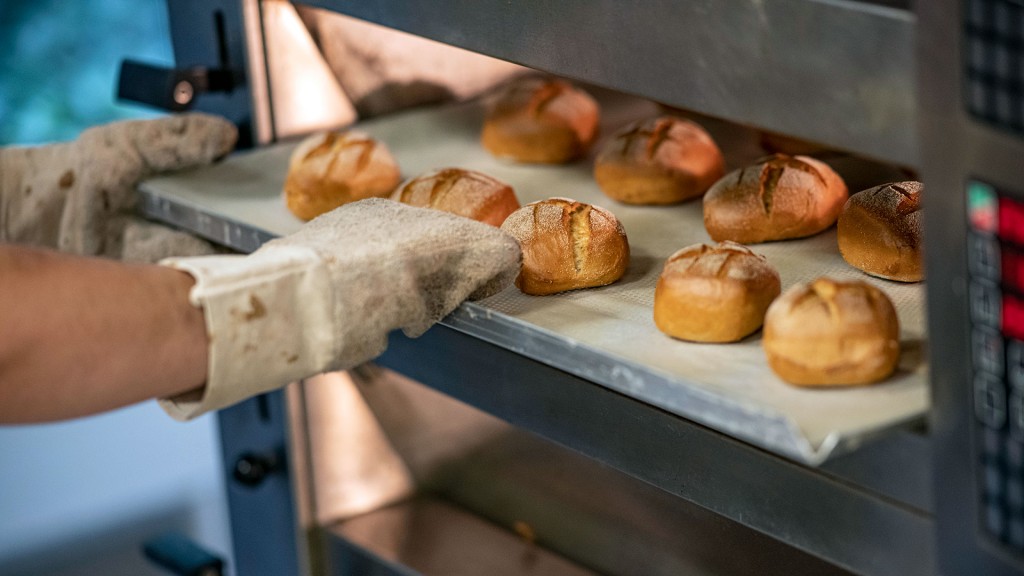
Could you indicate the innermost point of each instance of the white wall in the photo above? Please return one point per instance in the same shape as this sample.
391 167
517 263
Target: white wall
80 497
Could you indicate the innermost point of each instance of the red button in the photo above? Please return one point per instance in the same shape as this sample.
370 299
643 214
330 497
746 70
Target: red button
1013 270
1011 221
1013 317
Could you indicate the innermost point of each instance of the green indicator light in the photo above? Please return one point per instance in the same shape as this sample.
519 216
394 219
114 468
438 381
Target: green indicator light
982 206
980 196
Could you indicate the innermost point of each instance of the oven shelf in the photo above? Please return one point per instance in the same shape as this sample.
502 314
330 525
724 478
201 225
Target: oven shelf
848 65
605 336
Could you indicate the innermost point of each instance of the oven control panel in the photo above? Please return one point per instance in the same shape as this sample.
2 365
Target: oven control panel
995 256
994 58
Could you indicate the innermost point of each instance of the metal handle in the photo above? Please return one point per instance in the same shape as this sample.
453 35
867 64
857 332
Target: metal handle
181 556
172 89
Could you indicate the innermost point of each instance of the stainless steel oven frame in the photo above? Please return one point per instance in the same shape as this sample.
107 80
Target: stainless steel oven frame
883 80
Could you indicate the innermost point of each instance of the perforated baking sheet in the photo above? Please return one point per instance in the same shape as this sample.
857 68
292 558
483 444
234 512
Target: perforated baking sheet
606 334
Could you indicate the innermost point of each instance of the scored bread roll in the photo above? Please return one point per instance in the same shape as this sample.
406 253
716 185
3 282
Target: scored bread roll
830 333
663 160
714 293
879 231
329 169
464 192
778 198
567 245
542 121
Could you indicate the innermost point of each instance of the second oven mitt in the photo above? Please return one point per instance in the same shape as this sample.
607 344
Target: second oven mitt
78 196
326 297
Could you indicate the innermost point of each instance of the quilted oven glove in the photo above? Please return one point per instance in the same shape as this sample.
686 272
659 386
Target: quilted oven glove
326 297
78 196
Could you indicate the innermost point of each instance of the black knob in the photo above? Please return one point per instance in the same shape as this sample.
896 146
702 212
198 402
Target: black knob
172 89
253 469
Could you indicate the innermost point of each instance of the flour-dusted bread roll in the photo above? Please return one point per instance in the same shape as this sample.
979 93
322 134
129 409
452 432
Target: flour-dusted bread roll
879 231
543 121
663 160
830 333
714 293
567 245
778 198
329 169
464 192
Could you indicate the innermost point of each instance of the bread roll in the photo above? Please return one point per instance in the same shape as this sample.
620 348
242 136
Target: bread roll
781 197
567 245
662 160
541 121
830 333
714 293
464 192
329 169
879 231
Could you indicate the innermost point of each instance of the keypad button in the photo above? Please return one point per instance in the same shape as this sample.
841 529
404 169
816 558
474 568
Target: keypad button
1015 495
1001 20
995 520
1014 456
1001 64
993 483
989 400
991 445
987 350
986 304
979 56
978 98
1015 532
1012 269
1004 108
983 257
1012 316
1020 103
976 13
1011 220
1015 415
1015 363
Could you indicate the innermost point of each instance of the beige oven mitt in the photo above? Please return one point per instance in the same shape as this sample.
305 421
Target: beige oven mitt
326 297
78 196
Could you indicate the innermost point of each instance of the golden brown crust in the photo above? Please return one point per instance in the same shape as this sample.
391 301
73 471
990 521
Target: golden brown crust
464 192
541 121
329 169
663 160
831 333
714 293
778 198
879 231
567 245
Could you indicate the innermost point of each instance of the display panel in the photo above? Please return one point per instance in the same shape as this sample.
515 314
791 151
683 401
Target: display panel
996 264
993 38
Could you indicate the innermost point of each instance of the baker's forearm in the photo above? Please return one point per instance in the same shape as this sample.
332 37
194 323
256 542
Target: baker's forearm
79 336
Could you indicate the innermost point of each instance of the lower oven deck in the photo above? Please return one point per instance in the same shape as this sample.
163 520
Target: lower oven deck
487 497
839 474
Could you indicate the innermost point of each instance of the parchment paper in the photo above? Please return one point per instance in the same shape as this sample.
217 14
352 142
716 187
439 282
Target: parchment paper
616 321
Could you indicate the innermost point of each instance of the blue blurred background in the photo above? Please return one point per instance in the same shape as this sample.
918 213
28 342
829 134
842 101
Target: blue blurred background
59 61
79 498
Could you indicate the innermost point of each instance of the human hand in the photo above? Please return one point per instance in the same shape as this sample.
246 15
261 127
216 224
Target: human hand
76 196
326 297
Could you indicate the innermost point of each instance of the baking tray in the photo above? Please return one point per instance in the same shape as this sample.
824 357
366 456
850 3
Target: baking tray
605 335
